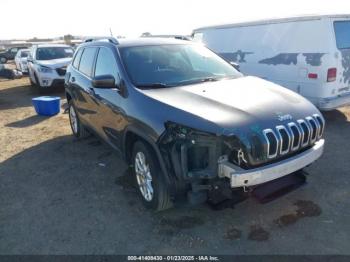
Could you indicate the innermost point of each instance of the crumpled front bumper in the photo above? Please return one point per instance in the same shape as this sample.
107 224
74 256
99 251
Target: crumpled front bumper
245 178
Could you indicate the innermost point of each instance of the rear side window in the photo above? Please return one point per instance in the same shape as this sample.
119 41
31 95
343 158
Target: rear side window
342 34
87 61
24 54
106 64
77 58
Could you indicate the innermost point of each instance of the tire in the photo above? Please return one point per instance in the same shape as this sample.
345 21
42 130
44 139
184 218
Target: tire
3 60
78 129
160 198
31 81
42 90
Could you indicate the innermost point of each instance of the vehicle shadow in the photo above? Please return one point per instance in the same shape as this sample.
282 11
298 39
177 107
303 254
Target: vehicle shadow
20 94
29 121
335 116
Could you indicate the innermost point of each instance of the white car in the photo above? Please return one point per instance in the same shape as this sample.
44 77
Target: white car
47 64
21 60
309 55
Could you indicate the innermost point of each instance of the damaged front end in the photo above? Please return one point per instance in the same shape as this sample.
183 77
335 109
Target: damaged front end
193 156
217 167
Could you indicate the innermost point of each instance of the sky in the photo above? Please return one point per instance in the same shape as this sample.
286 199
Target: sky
130 18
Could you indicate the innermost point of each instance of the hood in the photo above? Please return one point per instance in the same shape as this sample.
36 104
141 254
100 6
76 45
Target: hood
55 63
235 103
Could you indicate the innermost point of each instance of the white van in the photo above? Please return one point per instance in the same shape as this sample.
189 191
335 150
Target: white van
309 55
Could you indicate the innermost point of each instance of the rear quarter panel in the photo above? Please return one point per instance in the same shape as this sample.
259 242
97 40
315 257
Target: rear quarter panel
342 62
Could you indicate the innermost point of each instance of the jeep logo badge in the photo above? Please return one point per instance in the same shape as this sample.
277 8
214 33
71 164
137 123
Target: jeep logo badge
285 117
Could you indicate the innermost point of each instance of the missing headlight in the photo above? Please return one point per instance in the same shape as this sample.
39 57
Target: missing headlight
197 158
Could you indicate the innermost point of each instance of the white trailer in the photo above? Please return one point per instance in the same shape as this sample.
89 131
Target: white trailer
309 55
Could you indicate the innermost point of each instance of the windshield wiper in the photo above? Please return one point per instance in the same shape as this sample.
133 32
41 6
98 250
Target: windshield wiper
209 79
153 85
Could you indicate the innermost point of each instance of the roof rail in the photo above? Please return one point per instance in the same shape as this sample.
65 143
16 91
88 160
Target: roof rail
112 40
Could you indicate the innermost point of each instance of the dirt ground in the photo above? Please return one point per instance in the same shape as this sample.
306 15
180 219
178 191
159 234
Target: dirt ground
63 196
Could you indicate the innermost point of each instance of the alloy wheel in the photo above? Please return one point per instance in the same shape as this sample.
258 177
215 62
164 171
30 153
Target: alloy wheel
143 176
73 119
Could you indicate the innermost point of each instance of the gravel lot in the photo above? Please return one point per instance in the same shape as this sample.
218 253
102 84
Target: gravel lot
63 196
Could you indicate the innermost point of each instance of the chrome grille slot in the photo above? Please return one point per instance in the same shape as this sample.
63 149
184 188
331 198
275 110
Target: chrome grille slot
285 138
321 123
296 135
306 131
272 143
313 129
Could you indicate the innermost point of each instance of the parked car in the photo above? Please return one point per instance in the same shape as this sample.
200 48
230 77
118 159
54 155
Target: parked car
47 64
187 122
21 60
10 54
309 55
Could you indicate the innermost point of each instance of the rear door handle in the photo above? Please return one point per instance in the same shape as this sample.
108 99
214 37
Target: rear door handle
91 91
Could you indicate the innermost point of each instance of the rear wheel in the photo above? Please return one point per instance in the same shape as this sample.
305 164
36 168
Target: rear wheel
149 178
78 129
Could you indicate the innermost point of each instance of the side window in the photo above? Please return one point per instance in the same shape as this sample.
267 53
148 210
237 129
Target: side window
14 50
87 60
342 35
77 58
106 64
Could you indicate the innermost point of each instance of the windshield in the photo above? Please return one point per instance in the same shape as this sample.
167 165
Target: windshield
49 53
174 65
342 34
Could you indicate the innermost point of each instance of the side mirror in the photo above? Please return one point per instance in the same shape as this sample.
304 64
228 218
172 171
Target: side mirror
103 81
235 65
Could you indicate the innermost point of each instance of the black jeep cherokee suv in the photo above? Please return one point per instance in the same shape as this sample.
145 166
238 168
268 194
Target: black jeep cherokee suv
187 122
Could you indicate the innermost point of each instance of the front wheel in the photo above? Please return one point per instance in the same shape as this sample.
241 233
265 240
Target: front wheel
78 129
149 178
3 60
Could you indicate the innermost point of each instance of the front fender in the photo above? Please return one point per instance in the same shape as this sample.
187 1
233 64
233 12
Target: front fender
148 139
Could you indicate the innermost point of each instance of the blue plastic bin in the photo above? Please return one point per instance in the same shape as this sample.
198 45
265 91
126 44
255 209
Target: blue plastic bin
46 105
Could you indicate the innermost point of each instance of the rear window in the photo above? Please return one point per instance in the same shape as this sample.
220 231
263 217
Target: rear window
342 34
87 61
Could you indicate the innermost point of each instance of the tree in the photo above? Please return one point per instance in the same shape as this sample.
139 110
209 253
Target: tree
68 39
146 34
